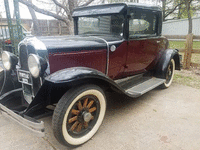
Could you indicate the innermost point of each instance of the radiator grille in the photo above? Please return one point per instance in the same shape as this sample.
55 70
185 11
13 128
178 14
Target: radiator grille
29 90
24 51
23 57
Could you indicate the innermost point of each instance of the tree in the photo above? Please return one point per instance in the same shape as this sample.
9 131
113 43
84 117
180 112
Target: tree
36 28
188 6
183 12
61 9
169 7
114 1
179 9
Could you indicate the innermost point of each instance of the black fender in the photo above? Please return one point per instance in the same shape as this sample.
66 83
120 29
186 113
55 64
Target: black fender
2 75
10 88
161 67
58 83
8 80
80 75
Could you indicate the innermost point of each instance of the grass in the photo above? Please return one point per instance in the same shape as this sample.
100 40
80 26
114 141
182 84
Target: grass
181 44
189 77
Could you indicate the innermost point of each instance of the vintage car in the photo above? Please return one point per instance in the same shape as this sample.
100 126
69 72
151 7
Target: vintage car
116 48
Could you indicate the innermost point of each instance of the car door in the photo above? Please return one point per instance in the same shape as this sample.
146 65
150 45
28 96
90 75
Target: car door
142 42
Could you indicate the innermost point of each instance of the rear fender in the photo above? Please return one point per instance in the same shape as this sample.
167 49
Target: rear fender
161 67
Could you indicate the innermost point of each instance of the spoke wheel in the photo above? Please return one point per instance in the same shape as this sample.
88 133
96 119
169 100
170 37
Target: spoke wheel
169 74
78 115
83 116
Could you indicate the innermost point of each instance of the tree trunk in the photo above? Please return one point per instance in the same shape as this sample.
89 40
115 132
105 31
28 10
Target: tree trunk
179 12
36 28
187 3
164 9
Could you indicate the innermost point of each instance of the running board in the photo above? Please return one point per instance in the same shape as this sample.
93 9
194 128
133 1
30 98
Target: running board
144 87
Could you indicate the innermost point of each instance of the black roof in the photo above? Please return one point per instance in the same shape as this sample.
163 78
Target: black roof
114 8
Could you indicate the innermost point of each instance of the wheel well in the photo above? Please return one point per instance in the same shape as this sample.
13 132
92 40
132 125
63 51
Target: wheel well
59 90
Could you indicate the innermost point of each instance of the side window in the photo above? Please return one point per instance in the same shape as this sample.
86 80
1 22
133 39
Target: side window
142 24
88 24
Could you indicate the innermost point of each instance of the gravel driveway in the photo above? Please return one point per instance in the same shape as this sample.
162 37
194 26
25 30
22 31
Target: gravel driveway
158 120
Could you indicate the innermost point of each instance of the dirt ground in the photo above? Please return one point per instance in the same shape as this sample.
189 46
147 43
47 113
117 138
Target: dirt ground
159 120
190 77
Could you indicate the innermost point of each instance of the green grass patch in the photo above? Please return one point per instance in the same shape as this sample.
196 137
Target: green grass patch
195 57
187 80
181 44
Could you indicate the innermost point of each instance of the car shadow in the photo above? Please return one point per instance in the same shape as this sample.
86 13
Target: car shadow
118 107
116 101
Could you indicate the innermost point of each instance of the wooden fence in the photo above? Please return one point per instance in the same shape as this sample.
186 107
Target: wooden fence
47 27
188 50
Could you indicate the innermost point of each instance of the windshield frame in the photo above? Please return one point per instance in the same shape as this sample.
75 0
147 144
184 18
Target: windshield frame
123 28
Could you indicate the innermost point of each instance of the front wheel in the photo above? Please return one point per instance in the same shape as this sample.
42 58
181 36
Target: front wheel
78 115
169 74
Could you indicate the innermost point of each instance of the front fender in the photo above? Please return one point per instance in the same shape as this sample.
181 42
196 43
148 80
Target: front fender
161 67
8 80
79 75
70 74
58 83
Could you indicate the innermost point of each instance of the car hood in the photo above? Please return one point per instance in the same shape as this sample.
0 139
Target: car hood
68 43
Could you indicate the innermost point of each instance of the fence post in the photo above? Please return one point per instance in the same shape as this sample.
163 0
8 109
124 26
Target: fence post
188 51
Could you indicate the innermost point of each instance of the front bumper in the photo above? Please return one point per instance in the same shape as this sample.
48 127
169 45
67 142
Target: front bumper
9 102
34 126
13 105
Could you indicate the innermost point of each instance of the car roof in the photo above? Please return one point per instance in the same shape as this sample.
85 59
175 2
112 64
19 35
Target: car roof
114 8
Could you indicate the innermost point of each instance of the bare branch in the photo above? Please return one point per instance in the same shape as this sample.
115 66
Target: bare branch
45 12
87 3
43 2
167 14
63 7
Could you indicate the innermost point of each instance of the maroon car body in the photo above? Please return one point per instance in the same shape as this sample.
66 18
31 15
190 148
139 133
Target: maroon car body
116 48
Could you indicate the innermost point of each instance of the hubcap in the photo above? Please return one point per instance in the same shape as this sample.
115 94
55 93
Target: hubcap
87 116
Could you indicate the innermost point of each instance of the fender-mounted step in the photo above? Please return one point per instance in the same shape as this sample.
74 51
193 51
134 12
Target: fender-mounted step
145 86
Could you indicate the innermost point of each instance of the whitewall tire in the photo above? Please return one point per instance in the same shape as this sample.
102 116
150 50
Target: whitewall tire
78 115
169 74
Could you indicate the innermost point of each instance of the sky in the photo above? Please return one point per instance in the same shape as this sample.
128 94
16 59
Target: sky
24 12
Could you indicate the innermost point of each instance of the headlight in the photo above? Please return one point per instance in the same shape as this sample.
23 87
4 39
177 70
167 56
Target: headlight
9 60
36 65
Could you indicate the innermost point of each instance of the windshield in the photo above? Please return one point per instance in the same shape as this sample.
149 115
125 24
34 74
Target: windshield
109 24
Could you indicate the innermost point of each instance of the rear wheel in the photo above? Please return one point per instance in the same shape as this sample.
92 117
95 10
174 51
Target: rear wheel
169 74
78 115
